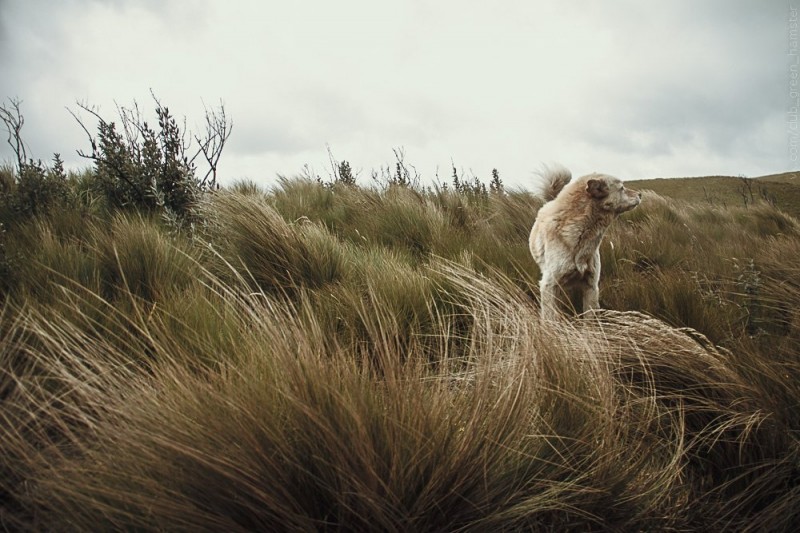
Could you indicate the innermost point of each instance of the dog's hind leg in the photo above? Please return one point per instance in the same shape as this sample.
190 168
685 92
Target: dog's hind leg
548 296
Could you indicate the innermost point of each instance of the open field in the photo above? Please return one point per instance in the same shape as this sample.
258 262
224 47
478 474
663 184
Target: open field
327 356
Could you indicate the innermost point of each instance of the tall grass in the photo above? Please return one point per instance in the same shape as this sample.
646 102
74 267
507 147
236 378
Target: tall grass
322 357
591 425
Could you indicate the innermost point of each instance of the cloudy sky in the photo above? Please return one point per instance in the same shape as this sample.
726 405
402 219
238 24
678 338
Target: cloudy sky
633 88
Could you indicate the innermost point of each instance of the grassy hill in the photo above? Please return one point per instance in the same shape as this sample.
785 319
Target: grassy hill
783 190
786 177
331 357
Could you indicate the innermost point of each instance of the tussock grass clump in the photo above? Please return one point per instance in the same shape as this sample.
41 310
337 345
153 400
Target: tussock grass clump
39 260
302 197
139 257
258 243
126 254
408 222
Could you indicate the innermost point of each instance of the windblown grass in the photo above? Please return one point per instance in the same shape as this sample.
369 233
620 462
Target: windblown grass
338 358
617 421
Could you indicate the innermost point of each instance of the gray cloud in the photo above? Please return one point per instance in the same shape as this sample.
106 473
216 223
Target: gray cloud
706 76
638 88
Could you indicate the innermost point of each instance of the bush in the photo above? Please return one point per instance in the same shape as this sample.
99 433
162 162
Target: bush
31 189
139 168
34 191
141 176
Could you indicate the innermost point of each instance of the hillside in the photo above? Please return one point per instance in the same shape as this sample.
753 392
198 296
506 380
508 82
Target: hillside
322 356
786 177
783 190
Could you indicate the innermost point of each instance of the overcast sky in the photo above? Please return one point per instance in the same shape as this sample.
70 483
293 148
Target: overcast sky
632 88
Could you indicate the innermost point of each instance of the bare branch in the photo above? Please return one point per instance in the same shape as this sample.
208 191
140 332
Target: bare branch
334 165
133 126
218 130
13 120
92 141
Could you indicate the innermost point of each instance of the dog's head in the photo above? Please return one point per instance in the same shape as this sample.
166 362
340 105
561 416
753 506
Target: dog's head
611 194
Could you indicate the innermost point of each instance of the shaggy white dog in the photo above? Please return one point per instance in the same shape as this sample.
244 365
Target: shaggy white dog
565 239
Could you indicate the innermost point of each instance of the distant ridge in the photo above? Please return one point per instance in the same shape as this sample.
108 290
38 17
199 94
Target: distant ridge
783 190
786 177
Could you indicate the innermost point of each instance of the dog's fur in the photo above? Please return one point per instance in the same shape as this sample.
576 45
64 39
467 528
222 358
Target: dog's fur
565 239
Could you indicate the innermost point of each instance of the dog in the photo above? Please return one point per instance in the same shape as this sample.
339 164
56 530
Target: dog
565 238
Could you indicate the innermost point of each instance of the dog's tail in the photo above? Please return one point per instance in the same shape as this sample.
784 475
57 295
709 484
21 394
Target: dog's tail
551 181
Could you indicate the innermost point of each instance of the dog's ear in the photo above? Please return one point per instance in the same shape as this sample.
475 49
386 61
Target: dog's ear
597 188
